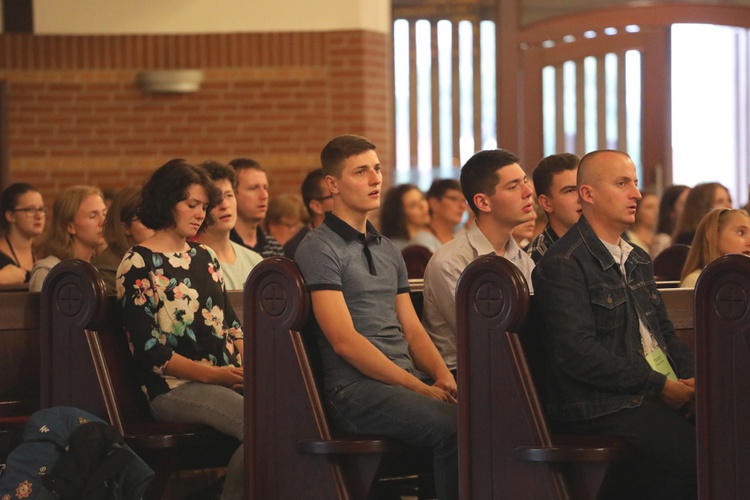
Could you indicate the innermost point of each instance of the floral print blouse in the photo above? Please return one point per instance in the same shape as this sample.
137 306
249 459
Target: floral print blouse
175 302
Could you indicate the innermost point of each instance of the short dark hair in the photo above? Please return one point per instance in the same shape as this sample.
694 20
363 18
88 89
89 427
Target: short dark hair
439 187
546 170
9 200
339 149
218 171
168 186
245 163
479 173
311 188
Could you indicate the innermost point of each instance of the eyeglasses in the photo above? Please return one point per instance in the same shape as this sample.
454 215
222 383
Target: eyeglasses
323 198
31 211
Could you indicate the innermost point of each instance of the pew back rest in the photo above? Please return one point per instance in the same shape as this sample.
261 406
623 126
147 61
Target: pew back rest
286 427
492 297
73 299
722 328
19 352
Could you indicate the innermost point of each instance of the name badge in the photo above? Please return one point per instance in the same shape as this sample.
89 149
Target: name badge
659 362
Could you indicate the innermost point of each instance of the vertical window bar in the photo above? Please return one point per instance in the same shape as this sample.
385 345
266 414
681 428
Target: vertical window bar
610 70
601 104
569 105
477 81
591 93
622 112
561 143
413 137
456 94
435 98
580 108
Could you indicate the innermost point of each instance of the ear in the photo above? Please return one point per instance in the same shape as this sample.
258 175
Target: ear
482 202
71 228
126 229
10 216
333 184
433 204
316 207
544 202
586 193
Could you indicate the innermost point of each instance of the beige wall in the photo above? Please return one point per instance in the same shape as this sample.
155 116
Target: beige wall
208 16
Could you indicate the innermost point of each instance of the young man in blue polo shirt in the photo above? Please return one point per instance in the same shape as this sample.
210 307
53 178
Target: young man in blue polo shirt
382 373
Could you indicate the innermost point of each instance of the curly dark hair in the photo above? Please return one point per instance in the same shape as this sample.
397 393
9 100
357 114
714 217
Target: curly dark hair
167 187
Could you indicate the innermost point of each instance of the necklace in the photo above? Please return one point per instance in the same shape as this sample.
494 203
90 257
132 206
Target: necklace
15 257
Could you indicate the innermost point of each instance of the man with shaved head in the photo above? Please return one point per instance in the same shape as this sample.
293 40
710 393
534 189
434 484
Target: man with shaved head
615 365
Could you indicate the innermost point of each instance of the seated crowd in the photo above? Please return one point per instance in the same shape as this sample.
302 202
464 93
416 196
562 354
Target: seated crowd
171 249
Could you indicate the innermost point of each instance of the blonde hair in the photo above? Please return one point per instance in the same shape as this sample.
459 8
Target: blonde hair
286 205
56 239
705 247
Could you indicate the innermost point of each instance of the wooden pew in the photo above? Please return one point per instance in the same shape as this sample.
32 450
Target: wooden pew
679 304
19 355
286 429
722 327
86 363
506 449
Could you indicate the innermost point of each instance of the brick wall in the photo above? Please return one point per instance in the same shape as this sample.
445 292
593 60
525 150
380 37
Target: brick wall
77 115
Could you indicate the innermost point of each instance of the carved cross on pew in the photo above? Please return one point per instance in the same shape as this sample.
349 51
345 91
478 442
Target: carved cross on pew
273 299
731 301
489 300
69 300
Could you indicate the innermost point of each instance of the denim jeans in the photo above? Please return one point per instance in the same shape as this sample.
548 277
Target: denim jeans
665 466
215 406
371 407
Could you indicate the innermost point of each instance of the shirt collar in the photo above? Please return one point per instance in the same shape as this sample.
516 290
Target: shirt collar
347 232
482 245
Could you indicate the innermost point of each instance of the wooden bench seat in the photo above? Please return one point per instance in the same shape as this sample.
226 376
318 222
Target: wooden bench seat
86 363
286 426
506 447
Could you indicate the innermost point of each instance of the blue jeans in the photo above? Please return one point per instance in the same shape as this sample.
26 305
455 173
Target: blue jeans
215 406
371 407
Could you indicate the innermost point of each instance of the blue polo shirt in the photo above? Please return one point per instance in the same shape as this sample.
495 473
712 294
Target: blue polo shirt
369 270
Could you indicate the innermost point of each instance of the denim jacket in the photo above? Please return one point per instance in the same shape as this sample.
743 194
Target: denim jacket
592 339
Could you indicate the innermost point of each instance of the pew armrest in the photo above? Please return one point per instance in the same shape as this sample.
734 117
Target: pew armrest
590 451
355 445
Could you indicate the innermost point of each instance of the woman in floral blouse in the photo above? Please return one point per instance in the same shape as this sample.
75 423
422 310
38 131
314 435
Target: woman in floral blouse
184 335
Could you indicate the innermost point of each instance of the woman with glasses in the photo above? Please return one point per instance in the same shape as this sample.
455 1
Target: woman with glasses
75 231
122 230
22 222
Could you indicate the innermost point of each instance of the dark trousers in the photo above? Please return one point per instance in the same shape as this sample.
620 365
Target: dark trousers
665 465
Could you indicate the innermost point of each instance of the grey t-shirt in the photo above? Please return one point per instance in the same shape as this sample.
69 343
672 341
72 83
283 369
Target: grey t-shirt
370 272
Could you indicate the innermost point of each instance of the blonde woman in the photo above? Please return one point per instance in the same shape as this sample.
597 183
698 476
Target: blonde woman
721 232
75 232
